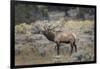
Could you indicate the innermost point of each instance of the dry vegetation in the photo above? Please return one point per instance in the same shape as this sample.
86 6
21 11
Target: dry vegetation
32 47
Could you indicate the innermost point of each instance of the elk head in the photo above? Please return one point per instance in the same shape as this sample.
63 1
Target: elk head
49 32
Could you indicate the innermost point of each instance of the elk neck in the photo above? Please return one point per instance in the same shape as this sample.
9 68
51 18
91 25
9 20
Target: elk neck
50 36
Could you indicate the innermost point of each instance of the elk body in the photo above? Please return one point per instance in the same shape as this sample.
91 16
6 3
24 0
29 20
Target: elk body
60 37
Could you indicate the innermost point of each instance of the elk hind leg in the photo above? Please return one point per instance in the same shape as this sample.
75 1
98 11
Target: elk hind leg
71 48
75 47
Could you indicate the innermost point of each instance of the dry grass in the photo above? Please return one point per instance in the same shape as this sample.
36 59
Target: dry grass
78 24
29 53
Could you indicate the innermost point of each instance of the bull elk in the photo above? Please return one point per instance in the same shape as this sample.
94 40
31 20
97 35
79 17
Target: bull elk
60 37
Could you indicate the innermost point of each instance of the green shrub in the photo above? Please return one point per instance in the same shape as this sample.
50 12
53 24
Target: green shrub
22 28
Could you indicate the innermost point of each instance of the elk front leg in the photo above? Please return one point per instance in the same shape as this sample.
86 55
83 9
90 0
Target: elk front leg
58 47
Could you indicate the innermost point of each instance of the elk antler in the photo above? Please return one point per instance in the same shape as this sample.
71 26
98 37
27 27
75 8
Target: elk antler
55 27
50 27
45 27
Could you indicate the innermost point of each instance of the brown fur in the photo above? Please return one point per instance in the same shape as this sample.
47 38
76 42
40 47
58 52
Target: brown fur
61 37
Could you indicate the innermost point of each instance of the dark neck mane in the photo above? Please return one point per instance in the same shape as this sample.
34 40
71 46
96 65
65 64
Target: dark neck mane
50 36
